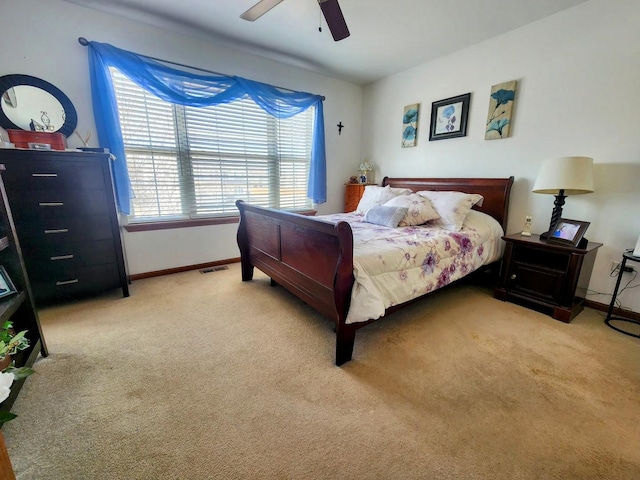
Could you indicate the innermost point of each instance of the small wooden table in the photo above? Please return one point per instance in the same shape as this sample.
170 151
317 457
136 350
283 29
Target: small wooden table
545 275
625 256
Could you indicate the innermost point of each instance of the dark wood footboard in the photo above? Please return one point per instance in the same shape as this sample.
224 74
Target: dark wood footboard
311 258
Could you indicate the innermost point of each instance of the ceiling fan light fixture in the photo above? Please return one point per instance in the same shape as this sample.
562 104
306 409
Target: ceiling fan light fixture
259 9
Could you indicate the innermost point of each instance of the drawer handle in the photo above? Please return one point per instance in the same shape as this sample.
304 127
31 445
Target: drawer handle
51 204
62 257
514 276
58 230
44 174
66 282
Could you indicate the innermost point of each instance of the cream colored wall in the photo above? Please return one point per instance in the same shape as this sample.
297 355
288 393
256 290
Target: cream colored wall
40 38
578 76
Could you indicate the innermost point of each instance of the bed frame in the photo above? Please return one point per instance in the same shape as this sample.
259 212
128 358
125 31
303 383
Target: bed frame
313 259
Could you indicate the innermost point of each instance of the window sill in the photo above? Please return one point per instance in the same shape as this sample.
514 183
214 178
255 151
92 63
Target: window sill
198 222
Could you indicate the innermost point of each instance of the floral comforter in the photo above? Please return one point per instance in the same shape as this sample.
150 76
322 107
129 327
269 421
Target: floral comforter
394 265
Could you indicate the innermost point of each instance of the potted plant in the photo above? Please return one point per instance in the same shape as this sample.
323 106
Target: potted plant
10 344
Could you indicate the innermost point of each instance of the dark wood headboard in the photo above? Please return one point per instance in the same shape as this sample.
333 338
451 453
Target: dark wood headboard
496 191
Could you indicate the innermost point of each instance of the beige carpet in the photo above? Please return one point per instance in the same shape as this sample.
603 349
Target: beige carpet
204 377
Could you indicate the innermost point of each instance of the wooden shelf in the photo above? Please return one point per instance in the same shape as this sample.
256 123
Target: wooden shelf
9 305
4 243
17 307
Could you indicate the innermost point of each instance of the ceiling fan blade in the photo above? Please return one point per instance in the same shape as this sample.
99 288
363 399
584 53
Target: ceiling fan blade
335 20
259 9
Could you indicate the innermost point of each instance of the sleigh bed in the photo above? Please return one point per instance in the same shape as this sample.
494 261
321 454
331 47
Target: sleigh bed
313 258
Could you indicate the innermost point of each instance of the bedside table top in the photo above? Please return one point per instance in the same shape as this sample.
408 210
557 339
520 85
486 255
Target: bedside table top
534 240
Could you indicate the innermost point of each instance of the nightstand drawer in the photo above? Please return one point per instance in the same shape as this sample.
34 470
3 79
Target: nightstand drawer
544 284
543 258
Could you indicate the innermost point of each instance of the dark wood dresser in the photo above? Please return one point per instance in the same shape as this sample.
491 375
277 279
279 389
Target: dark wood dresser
65 216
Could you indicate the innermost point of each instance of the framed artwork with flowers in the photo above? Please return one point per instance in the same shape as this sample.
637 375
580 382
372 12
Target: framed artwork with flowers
410 125
501 102
449 117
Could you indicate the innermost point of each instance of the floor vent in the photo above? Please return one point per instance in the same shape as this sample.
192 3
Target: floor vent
214 269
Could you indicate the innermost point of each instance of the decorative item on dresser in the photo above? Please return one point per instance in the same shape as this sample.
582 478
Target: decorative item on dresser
66 220
352 195
550 277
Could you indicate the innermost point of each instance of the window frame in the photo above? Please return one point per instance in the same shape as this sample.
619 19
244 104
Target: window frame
184 157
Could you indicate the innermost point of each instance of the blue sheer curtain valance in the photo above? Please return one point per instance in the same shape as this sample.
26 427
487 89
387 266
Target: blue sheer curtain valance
195 90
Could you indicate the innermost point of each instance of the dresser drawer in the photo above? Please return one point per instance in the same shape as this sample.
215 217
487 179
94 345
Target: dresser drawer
48 204
61 231
54 257
78 282
54 175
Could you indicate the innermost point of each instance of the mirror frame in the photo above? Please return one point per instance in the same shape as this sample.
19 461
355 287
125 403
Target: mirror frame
14 80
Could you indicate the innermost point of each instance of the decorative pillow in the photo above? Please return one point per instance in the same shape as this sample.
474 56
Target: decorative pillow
452 207
374 195
419 209
384 215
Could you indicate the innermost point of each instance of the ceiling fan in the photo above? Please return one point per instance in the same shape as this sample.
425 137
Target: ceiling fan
330 9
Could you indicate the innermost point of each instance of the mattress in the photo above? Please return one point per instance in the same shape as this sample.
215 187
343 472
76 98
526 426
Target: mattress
394 265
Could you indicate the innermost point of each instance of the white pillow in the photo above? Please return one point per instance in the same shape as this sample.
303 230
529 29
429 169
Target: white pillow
452 207
419 209
374 195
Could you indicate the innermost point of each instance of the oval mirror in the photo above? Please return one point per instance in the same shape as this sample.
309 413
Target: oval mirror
30 103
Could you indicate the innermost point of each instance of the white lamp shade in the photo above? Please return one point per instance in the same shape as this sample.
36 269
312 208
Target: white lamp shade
574 175
365 166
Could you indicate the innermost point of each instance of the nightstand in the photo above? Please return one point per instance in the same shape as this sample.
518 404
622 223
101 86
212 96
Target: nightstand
546 276
352 194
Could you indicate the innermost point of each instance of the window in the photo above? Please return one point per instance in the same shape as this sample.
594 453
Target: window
187 162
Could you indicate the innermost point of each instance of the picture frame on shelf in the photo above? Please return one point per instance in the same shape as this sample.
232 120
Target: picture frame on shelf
449 117
569 232
6 285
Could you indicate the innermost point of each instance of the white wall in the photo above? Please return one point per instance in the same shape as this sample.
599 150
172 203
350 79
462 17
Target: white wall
578 77
40 38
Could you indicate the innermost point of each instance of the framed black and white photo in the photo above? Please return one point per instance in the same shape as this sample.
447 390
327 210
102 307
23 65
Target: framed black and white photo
568 232
6 285
449 117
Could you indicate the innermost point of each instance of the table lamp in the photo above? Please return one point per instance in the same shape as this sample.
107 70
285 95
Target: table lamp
562 177
364 168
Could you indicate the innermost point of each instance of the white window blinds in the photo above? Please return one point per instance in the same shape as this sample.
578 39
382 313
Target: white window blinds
187 162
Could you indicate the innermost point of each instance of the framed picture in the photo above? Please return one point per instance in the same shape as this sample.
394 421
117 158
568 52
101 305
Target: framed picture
449 117
568 232
501 105
6 285
410 125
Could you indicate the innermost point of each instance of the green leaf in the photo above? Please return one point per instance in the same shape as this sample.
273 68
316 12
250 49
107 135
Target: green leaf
22 372
6 416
